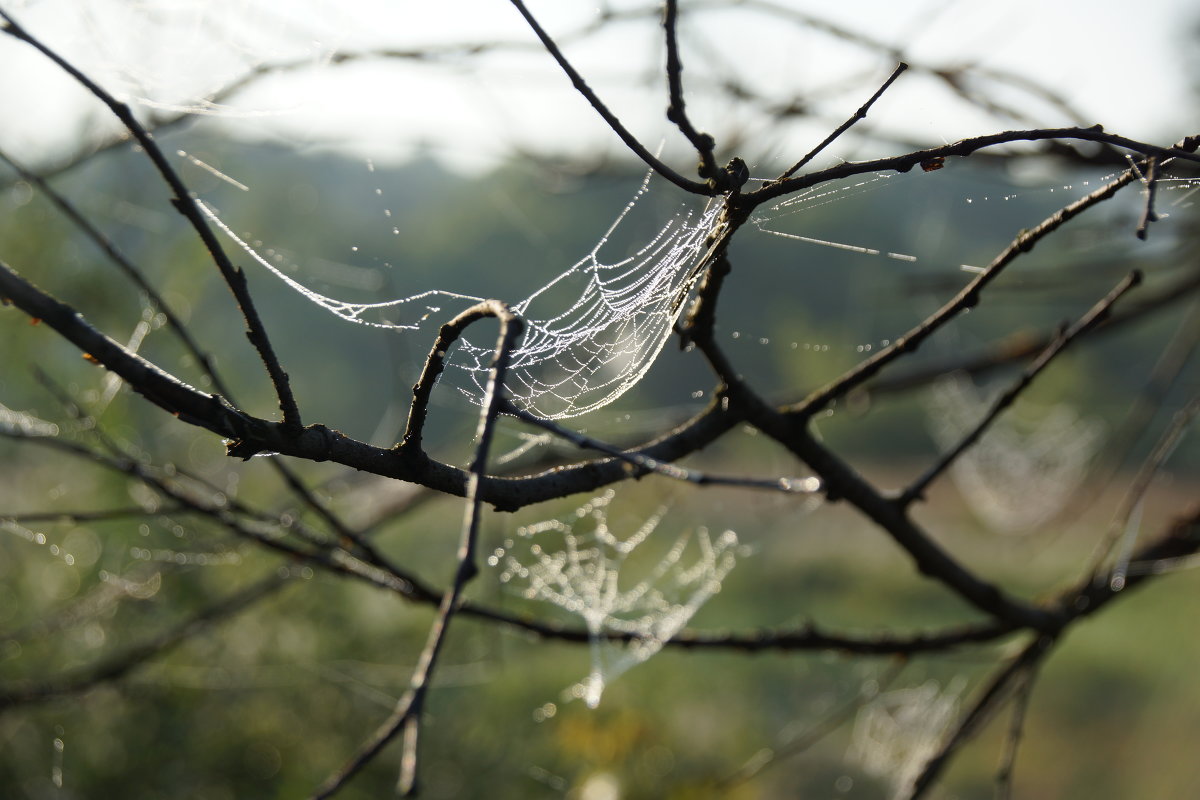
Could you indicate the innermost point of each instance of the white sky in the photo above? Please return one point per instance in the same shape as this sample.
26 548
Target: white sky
1124 69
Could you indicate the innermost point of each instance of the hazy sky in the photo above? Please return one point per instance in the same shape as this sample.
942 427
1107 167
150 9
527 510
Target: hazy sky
1118 67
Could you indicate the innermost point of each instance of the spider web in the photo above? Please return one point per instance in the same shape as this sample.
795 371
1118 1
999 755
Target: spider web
577 354
1028 464
899 731
580 565
767 219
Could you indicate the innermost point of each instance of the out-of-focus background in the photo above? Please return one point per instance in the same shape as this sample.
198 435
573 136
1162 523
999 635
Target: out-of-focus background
373 151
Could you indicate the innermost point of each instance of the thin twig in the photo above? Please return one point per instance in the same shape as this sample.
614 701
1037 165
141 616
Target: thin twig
1181 539
1148 215
1012 743
807 638
966 298
1093 317
861 114
127 267
340 529
407 715
610 118
1023 345
998 690
435 364
329 557
1171 364
676 109
511 327
1123 529
101 515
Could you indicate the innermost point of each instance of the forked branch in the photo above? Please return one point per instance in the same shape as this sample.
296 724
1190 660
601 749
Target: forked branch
407 715
677 108
608 116
186 204
1097 314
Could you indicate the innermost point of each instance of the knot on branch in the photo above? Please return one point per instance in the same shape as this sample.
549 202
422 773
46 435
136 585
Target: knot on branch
730 179
318 440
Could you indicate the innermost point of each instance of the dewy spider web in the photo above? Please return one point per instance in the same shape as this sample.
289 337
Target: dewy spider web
897 733
581 566
576 358
1025 469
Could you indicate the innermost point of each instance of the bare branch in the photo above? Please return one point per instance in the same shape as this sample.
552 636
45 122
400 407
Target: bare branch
998 691
966 298
1012 743
407 715
185 203
676 110
1148 215
1184 150
251 435
611 119
1098 313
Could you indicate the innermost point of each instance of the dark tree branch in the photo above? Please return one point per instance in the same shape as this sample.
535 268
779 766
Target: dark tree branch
1148 215
1097 314
1184 150
1024 345
250 435
967 298
185 203
676 109
998 691
1180 540
610 118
